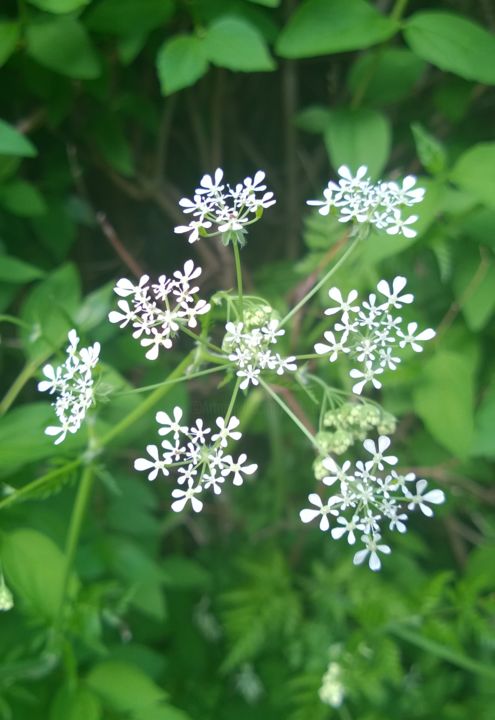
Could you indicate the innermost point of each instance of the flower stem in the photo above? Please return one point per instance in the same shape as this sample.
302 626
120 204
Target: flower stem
238 272
73 535
320 283
232 400
289 412
24 376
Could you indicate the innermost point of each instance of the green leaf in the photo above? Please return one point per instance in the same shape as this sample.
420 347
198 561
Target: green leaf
9 35
474 284
123 17
63 45
78 704
358 137
95 307
320 27
484 444
453 43
34 567
180 62
13 142
430 151
313 119
109 137
21 198
235 44
49 310
59 6
13 270
475 172
267 3
444 400
385 75
124 687
164 712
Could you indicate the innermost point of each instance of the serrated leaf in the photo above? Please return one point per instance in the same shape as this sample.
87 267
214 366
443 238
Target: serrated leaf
235 43
59 6
320 27
9 35
22 198
63 45
13 142
358 137
35 569
180 62
123 17
444 400
453 43
475 172
13 270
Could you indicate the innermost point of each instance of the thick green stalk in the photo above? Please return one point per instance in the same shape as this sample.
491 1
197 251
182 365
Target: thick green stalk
320 283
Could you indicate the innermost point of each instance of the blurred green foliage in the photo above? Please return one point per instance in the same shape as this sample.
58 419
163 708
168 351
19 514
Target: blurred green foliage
110 111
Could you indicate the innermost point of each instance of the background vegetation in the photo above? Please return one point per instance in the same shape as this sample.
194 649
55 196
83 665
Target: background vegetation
110 111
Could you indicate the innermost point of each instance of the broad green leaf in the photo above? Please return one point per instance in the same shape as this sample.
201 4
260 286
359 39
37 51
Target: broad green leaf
484 439
9 35
124 687
34 567
444 400
313 119
182 572
109 137
163 712
95 307
123 17
358 137
22 198
320 27
475 172
453 43
129 46
49 309
78 704
13 142
235 44
430 151
180 62
59 6
63 45
474 284
385 75
13 270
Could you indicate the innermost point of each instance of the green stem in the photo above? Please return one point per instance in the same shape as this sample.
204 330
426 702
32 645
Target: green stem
184 378
320 283
24 376
73 535
289 412
238 273
232 400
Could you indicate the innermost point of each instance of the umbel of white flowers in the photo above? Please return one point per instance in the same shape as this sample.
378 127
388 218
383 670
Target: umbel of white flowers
372 332
366 496
74 385
357 199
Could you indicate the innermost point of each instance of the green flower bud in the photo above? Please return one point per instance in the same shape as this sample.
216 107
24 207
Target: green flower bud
318 469
341 441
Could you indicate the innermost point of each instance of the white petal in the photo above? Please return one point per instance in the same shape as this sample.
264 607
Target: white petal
308 515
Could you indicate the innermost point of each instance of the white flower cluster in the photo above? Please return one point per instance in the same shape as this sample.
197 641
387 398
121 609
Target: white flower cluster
157 311
332 690
222 207
365 497
358 199
370 332
73 381
199 457
250 351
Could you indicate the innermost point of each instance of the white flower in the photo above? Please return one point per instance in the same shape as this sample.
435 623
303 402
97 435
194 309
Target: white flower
377 451
420 498
344 306
413 338
334 347
155 464
185 496
249 375
324 510
373 547
369 375
169 424
400 226
237 469
346 527
393 295
227 431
